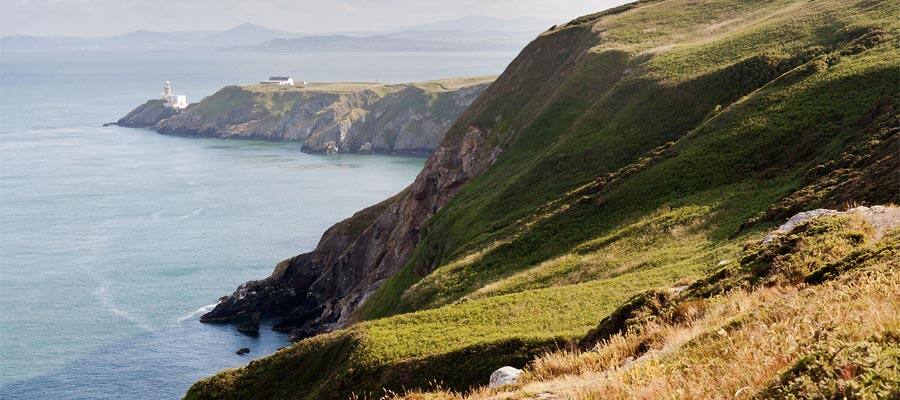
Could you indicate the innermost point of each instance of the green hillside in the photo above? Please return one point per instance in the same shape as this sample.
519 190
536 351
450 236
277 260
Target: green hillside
639 148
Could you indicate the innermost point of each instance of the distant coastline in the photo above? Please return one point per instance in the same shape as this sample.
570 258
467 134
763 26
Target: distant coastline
336 117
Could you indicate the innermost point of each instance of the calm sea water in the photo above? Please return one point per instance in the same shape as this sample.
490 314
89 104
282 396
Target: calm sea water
112 240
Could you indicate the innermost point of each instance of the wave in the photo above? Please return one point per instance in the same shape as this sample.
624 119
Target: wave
102 294
192 213
198 312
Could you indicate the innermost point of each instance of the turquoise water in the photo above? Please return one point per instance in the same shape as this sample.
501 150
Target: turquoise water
112 240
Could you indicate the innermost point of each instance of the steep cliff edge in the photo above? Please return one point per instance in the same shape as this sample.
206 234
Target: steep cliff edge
325 117
319 291
628 150
147 115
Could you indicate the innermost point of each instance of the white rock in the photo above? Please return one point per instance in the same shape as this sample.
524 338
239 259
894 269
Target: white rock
798 219
504 376
883 218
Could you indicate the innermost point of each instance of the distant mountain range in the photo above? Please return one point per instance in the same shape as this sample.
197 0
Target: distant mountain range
471 33
144 40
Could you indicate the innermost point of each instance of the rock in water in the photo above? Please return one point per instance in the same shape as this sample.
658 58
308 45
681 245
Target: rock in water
504 376
242 351
249 324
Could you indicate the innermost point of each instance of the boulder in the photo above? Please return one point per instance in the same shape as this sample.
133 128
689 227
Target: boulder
504 376
249 324
242 351
796 220
882 218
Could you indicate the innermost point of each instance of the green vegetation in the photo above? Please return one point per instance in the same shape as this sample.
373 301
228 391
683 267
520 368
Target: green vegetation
837 339
737 152
791 258
867 369
277 100
637 158
409 350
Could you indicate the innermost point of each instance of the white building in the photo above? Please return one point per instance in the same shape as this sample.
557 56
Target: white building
281 80
176 101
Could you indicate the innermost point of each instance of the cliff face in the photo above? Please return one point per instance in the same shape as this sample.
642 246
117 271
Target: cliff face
147 115
628 150
351 117
320 291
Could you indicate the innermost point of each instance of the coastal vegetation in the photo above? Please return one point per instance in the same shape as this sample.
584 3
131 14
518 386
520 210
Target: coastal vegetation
601 216
354 117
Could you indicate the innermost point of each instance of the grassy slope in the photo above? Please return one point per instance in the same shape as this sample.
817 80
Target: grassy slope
834 339
276 100
737 160
590 203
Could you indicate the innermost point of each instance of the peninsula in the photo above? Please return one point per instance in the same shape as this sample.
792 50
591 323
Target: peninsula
346 117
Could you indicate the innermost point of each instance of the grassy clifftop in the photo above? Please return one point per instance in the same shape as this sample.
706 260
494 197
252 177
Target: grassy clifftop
634 150
333 117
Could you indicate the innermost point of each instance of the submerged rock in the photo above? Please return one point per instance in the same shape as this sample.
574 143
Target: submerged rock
504 376
242 351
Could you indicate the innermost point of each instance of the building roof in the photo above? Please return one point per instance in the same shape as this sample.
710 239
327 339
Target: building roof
279 78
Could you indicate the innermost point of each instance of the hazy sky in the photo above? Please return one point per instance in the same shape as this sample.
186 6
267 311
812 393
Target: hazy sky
106 17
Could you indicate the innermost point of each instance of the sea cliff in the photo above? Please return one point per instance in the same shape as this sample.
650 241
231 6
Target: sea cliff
324 117
618 178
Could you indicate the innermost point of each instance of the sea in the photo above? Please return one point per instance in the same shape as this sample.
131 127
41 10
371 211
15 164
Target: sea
113 241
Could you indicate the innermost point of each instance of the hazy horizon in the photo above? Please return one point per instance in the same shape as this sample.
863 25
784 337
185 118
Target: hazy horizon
94 18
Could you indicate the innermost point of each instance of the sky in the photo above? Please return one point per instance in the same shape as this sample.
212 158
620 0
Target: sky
109 17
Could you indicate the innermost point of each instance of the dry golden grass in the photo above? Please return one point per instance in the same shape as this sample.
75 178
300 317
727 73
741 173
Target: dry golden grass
731 347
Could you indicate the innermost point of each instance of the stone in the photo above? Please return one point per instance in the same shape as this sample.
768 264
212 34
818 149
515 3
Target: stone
882 218
504 376
796 220
242 351
249 325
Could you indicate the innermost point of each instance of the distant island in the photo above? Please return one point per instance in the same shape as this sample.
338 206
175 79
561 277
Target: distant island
336 117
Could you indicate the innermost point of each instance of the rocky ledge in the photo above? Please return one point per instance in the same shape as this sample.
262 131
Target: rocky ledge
324 117
147 115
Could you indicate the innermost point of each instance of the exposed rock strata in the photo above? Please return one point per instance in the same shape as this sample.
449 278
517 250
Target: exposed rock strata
319 291
404 118
147 115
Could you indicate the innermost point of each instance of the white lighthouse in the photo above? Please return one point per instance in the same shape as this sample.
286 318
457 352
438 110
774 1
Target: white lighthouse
173 100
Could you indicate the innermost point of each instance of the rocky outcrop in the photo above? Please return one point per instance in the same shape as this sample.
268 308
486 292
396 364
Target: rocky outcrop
328 118
882 218
504 376
147 115
320 291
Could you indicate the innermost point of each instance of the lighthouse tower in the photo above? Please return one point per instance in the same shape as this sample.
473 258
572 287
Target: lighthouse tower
172 100
167 91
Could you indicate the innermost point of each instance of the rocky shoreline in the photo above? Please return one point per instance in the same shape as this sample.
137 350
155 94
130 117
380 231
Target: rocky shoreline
322 290
406 119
